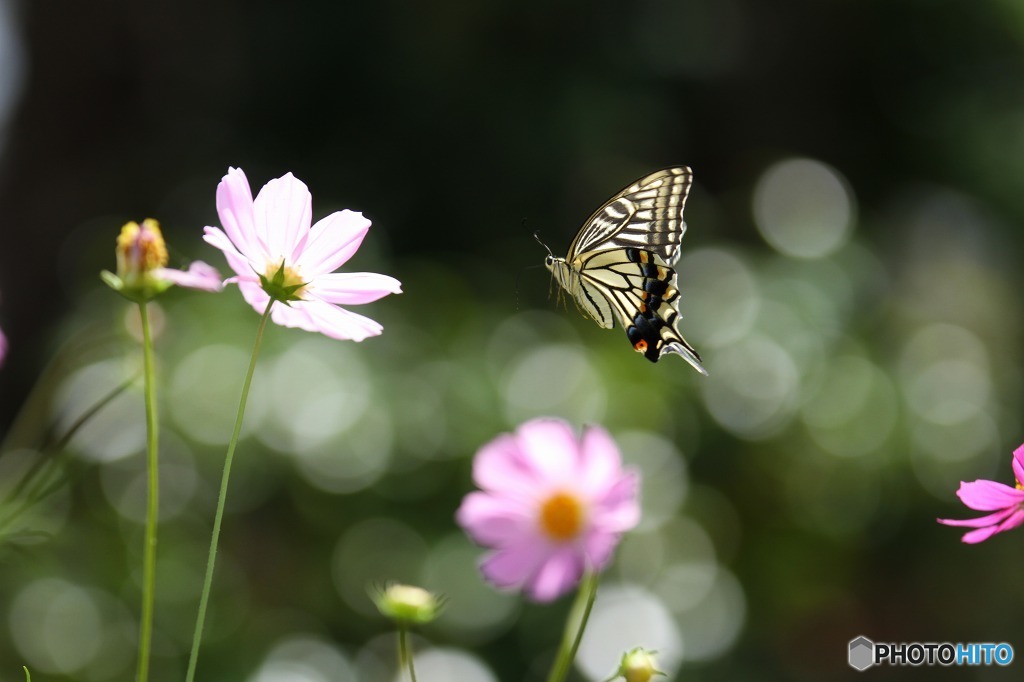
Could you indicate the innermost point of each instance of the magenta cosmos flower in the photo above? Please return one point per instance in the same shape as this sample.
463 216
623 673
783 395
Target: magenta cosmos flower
269 243
1005 503
552 505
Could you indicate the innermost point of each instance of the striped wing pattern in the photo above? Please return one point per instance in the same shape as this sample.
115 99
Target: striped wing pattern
619 266
648 215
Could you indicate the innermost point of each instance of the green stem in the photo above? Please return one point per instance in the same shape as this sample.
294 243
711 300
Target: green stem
578 616
153 499
204 599
38 482
405 652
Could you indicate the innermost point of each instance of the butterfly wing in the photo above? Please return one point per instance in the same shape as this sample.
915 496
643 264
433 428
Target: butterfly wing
642 293
647 214
619 265
590 295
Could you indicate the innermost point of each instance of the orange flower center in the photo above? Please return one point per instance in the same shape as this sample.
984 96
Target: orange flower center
561 516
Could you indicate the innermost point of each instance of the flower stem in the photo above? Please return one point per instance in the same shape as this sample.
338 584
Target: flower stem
153 499
404 652
204 599
578 616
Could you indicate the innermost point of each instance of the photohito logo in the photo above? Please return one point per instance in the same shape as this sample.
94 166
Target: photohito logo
863 653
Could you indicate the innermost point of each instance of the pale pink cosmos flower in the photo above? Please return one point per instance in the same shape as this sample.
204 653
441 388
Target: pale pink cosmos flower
141 265
271 235
1006 504
552 505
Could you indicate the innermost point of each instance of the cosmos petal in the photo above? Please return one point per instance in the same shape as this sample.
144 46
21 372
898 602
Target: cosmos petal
351 288
235 208
254 295
198 276
282 213
988 520
236 260
491 520
555 576
600 462
329 320
333 241
551 447
500 466
619 509
986 495
512 566
980 535
599 548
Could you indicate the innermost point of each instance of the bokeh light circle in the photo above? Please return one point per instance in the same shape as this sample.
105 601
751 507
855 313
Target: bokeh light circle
474 611
623 617
56 625
116 431
304 658
712 624
203 394
555 379
373 552
754 390
803 208
719 295
664 478
448 664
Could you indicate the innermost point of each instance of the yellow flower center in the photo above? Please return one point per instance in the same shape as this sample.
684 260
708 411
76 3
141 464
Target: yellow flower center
561 516
289 277
140 248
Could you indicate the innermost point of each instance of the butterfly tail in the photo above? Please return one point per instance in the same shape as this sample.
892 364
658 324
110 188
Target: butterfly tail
687 352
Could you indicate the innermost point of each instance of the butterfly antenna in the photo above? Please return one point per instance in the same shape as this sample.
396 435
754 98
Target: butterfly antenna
536 235
551 282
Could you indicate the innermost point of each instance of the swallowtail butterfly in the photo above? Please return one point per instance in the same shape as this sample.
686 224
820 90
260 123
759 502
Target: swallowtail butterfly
619 266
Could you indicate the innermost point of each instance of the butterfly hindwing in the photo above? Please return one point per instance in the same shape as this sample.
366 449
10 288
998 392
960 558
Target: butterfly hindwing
589 296
619 266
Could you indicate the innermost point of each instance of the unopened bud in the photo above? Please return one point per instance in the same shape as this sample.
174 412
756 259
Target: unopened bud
408 604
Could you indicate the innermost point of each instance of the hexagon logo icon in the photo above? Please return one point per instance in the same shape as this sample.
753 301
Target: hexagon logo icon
862 653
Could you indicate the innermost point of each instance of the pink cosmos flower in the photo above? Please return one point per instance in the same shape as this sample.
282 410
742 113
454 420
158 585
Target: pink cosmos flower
270 245
552 505
1005 503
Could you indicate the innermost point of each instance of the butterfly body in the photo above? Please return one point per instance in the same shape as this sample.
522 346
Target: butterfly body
619 266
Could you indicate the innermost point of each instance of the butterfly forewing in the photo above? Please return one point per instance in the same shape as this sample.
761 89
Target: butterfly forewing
619 266
648 214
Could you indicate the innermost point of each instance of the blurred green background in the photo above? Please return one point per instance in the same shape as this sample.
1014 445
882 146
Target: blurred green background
850 276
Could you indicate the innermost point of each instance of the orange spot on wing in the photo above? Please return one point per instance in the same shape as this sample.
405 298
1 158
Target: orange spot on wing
640 346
